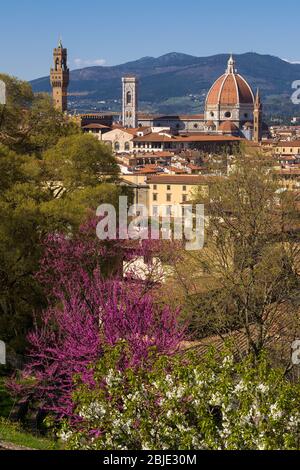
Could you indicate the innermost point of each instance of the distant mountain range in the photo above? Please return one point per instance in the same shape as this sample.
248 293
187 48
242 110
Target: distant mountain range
178 83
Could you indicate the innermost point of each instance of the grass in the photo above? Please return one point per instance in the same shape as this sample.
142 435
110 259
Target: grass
6 402
13 434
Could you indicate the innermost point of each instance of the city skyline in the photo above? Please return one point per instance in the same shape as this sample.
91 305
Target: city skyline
111 36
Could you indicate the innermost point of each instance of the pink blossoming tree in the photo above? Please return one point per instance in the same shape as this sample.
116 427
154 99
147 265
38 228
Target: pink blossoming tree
92 307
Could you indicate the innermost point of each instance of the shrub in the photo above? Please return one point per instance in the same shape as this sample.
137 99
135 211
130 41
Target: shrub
181 404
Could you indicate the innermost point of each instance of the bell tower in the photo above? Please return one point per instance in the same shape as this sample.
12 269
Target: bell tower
258 108
59 78
130 101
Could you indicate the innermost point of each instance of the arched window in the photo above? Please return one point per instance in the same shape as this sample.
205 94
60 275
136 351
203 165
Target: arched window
128 98
117 146
127 146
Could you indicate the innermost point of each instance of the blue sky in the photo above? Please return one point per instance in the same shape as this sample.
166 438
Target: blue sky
116 31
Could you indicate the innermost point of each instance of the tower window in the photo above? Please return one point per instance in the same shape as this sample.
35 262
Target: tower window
228 114
128 98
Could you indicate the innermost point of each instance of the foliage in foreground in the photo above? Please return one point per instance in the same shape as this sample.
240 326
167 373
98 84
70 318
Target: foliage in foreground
186 405
50 175
88 310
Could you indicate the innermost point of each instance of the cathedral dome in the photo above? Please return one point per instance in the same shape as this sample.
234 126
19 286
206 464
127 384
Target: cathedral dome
231 89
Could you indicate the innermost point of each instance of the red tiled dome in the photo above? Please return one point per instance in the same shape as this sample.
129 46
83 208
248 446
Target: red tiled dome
230 89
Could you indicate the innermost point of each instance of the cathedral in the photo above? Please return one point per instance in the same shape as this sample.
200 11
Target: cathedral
231 109
230 106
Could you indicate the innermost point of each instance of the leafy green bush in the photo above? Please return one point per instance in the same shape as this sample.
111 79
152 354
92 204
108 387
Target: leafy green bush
186 405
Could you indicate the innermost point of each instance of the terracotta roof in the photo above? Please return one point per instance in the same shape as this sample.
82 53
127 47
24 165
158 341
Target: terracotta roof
228 126
155 137
194 167
95 126
184 179
148 169
178 171
293 143
289 171
154 155
130 130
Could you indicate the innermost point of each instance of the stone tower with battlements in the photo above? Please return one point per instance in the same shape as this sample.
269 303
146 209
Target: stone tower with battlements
257 119
59 78
130 101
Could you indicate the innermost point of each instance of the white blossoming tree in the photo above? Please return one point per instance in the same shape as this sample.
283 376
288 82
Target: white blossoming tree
181 404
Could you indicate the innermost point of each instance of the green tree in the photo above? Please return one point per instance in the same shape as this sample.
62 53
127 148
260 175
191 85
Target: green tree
79 161
50 177
247 276
29 123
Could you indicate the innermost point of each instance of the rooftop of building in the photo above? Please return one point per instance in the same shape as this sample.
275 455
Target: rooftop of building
95 126
193 180
286 143
159 137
